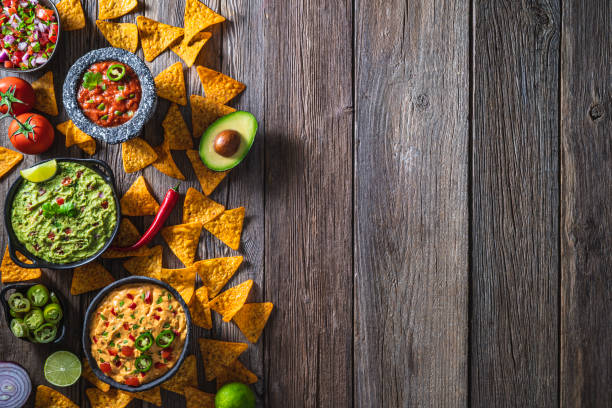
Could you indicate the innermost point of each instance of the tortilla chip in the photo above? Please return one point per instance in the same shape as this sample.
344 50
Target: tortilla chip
198 307
252 319
216 353
165 163
11 272
176 132
215 273
110 9
209 180
236 372
198 17
228 303
170 84
183 240
115 254
190 51
90 277
137 154
228 227
49 398
71 15
138 200
113 398
185 377
155 37
150 265
183 280
45 94
120 35
218 87
75 136
127 235
89 375
199 399
199 208
204 111
153 396
8 159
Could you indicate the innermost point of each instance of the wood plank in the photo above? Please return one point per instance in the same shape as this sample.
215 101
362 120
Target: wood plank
308 143
586 206
411 203
515 252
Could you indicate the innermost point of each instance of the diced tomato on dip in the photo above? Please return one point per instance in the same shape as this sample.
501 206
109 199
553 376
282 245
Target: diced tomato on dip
28 34
110 93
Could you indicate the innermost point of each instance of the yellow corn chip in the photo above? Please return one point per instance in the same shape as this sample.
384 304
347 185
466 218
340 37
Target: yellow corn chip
13 273
186 376
155 37
190 51
198 307
165 163
183 240
209 180
110 9
153 396
89 375
199 208
150 265
75 136
90 277
127 234
119 35
45 94
138 200
71 15
176 132
228 227
49 398
170 84
204 111
114 254
218 87
215 273
252 319
113 398
183 280
199 399
8 159
236 372
198 17
137 154
228 303
216 353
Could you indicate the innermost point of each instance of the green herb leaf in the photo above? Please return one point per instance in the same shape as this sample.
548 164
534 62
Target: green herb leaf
91 79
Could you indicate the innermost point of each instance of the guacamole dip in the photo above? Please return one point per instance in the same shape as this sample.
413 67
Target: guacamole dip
67 218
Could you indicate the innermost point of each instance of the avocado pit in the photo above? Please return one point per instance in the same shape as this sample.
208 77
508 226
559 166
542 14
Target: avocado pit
227 143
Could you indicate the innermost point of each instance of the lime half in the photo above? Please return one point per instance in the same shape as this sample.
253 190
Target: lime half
62 368
235 395
40 172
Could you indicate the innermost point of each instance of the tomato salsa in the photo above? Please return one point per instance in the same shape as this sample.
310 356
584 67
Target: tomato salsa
110 93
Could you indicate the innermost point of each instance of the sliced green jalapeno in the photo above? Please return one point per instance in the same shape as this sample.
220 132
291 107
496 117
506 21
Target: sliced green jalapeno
144 341
143 363
45 333
16 314
38 295
115 72
54 298
53 313
19 328
18 303
34 319
165 338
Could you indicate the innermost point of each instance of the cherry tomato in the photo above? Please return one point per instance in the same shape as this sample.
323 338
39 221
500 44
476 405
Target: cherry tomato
132 381
34 137
21 90
105 367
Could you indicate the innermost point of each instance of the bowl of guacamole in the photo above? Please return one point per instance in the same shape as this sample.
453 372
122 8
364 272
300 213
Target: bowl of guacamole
65 221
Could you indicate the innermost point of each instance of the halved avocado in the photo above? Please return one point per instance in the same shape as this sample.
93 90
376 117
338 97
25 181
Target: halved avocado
228 140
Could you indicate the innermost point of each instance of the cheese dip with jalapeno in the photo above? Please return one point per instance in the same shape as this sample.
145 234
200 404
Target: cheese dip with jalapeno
137 333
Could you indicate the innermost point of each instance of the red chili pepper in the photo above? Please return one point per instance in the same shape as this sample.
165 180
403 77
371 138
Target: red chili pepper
148 298
132 337
126 326
95 339
113 311
162 215
130 296
156 317
132 306
112 352
127 351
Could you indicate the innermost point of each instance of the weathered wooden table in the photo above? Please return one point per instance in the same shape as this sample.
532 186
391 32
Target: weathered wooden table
429 199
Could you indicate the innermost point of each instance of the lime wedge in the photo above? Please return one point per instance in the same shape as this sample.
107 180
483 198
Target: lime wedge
40 172
62 368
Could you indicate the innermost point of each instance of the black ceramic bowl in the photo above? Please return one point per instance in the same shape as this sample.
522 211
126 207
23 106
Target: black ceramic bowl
87 342
9 289
13 243
51 5
146 108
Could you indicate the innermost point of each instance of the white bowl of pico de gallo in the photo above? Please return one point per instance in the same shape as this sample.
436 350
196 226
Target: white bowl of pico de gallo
29 34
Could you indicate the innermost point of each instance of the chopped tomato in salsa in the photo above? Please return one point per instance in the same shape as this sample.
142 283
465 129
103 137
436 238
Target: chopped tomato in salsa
110 93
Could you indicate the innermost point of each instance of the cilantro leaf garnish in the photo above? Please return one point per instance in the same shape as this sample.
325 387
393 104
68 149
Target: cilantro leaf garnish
91 79
51 209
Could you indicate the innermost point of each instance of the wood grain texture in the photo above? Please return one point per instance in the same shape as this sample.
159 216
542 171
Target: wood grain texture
586 205
411 203
515 229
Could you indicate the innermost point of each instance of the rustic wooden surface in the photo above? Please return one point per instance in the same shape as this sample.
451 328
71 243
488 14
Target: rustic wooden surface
428 199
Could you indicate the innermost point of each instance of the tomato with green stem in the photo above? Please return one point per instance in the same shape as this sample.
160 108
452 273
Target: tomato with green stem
16 95
31 133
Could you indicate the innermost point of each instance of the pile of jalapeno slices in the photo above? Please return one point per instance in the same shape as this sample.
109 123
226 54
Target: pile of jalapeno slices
35 314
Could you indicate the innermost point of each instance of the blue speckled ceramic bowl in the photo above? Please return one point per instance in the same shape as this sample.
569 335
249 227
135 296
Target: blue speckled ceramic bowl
129 129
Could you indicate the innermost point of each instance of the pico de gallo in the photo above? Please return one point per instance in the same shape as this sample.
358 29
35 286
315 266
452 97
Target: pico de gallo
28 34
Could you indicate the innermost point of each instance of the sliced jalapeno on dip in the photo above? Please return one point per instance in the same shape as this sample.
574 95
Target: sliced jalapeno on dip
38 295
52 313
143 363
165 338
45 333
144 341
19 328
115 72
18 304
